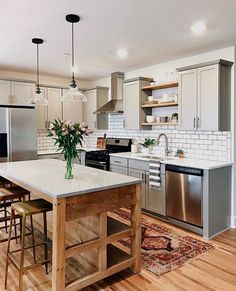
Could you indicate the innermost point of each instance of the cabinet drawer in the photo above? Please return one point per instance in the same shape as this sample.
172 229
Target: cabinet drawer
138 164
119 169
119 161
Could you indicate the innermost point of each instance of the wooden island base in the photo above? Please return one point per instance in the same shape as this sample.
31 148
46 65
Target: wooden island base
75 201
99 235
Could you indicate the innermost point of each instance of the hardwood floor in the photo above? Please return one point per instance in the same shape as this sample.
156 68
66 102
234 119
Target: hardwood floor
215 270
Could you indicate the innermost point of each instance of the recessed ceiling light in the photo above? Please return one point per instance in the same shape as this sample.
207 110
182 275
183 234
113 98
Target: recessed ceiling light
121 53
198 27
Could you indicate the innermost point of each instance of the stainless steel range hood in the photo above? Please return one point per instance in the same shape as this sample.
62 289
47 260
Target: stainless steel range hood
115 105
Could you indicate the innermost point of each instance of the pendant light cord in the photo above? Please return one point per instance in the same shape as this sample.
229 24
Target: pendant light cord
38 91
73 56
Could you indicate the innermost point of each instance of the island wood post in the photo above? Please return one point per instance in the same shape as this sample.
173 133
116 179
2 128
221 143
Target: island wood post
136 224
58 257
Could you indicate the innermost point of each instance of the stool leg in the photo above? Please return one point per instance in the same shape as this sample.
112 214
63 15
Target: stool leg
21 270
46 240
8 246
5 214
33 240
15 229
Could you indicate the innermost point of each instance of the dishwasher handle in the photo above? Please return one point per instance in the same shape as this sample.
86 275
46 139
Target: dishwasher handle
184 170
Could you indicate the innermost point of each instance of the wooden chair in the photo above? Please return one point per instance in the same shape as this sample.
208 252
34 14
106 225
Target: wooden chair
25 209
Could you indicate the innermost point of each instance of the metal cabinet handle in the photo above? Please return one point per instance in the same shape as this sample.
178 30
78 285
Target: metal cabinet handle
118 162
198 122
194 122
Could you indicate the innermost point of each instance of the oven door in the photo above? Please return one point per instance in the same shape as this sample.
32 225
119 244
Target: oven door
96 164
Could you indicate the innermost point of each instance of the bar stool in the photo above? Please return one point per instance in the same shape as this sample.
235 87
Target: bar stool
25 209
8 195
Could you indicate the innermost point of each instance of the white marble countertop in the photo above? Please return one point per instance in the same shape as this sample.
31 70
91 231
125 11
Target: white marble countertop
54 151
47 176
185 162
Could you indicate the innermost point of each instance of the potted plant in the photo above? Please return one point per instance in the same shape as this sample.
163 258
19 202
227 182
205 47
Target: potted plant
179 153
67 135
174 117
148 142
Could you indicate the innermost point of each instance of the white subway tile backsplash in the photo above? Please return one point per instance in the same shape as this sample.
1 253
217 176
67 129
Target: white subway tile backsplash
209 145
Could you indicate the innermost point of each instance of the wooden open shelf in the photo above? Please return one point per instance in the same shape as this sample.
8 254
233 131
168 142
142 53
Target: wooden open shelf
116 256
154 105
158 123
115 226
161 86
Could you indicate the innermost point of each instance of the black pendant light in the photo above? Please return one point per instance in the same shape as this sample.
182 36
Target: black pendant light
38 97
73 93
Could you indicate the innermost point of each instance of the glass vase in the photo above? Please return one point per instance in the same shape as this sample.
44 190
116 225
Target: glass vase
69 174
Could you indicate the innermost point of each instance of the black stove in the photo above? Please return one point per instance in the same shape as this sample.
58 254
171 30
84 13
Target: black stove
100 159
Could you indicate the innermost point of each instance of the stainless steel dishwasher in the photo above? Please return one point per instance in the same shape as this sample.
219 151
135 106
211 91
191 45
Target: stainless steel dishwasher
184 194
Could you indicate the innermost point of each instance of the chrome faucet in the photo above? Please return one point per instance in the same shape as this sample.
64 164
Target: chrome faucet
166 139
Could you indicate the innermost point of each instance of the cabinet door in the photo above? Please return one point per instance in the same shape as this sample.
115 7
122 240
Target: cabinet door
119 170
102 98
155 199
132 105
54 104
72 110
21 92
89 107
140 175
41 113
188 99
208 98
5 91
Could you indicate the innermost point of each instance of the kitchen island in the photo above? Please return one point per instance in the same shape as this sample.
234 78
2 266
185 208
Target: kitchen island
91 192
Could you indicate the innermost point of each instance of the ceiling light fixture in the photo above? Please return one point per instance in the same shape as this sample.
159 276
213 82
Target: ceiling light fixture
198 27
38 97
73 94
121 53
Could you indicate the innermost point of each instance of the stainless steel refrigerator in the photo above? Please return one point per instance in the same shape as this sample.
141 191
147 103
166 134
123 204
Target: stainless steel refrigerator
18 133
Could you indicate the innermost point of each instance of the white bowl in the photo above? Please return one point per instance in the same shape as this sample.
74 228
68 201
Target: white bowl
150 118
150 98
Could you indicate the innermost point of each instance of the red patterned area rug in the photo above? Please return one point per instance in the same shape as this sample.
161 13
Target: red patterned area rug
163 250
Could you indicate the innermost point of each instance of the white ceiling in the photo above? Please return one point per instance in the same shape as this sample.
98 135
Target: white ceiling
152 31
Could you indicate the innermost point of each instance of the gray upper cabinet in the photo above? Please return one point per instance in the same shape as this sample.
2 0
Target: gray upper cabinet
204 96
54 104
96 98
21 93
134 97
5 92
47 114
41 112
72 110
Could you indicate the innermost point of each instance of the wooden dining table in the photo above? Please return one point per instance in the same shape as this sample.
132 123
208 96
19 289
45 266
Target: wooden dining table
90 192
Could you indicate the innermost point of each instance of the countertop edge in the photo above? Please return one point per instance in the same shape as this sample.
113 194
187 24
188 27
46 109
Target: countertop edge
178 162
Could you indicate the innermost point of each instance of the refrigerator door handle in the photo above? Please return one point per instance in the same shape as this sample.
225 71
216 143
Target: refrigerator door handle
9 138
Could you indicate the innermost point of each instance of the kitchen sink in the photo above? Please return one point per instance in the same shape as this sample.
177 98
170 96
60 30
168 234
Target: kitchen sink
156 158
